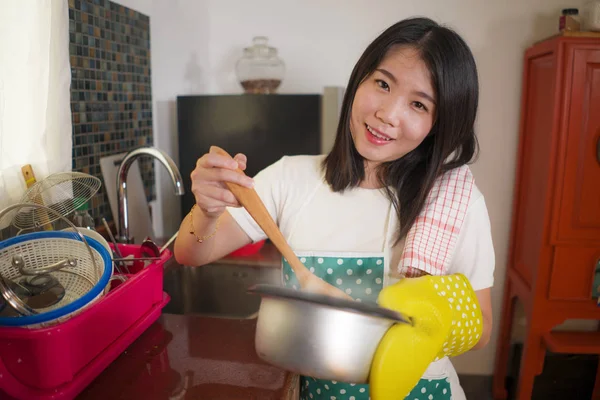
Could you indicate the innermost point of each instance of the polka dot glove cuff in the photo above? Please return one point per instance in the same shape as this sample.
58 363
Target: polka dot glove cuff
437 305
467 320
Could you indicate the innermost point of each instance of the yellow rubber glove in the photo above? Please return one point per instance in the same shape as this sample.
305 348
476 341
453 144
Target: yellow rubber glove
467 319
405 351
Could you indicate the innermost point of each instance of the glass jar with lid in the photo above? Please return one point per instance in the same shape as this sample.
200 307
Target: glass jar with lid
260 70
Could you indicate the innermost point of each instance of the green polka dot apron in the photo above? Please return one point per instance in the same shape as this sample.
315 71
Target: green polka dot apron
361 275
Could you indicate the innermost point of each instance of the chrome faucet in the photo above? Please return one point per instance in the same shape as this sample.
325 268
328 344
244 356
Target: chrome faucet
123 227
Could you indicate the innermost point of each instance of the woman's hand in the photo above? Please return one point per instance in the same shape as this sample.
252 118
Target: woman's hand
208 182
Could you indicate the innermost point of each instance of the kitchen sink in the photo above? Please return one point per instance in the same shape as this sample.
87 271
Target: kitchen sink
216 290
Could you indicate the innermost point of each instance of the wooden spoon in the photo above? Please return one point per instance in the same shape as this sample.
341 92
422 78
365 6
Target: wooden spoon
250 200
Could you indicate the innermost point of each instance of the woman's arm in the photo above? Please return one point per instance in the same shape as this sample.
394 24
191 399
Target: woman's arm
208 232
226 238
218 219
485 303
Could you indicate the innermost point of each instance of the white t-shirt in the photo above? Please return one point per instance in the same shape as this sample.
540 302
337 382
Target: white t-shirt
314 218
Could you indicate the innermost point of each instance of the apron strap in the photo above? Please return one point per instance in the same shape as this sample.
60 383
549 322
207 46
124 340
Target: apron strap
306 202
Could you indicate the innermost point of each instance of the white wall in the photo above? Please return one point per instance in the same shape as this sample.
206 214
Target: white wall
195 45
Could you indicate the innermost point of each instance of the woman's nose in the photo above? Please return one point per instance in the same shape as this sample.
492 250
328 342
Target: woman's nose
390 112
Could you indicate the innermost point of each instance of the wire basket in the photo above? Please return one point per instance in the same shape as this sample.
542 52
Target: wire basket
79 266
63 192
83 284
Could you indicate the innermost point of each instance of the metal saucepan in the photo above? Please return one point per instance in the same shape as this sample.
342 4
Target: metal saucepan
318 335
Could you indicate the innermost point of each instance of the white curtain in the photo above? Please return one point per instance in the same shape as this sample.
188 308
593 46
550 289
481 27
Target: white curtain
35 79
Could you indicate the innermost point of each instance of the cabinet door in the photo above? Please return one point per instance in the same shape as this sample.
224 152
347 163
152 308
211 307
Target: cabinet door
579 191
538 116
572 274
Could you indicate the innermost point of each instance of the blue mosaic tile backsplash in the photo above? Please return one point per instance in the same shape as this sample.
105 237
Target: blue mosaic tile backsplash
111 97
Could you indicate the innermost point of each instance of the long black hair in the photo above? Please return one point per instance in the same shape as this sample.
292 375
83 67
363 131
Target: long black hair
450 143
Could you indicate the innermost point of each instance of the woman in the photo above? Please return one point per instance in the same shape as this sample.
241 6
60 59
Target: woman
358 217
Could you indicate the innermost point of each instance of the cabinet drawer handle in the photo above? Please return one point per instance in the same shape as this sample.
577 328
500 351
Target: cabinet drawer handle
598 149
596 283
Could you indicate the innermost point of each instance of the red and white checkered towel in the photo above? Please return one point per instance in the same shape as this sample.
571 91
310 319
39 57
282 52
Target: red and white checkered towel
430 243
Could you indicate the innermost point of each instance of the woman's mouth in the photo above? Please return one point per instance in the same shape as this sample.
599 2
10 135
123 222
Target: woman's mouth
377 137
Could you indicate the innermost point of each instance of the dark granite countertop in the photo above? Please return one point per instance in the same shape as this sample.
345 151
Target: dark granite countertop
189 357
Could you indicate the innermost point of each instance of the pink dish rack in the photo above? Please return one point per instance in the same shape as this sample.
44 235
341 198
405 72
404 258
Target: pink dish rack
58 362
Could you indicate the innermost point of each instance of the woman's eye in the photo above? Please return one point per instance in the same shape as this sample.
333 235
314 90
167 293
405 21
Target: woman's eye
382 84
420 105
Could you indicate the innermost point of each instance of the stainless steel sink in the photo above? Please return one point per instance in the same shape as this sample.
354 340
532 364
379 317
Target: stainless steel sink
216 290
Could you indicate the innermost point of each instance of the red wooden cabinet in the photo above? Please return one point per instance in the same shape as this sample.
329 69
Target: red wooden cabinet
555 237
579 209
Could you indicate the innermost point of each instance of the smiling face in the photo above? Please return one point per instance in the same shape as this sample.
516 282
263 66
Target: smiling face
394 108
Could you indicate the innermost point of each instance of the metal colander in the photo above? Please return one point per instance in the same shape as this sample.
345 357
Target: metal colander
63 192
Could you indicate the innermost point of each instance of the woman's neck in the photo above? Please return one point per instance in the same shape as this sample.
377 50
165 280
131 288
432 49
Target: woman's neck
371 180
